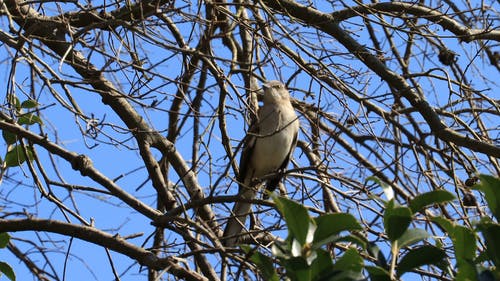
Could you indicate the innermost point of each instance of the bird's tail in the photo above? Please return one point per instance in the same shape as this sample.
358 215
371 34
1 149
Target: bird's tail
239 214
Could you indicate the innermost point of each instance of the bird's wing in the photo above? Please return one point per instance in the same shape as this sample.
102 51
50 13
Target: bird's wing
246 155
240 211
273 183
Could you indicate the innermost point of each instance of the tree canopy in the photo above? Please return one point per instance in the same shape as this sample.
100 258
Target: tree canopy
122 123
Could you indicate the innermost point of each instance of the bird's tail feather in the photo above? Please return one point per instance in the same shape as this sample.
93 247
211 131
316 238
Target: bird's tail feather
236 223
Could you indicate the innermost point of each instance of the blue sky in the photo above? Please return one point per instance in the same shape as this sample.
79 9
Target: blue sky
116 159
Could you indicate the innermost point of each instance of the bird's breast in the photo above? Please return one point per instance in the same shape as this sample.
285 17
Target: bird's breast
273 143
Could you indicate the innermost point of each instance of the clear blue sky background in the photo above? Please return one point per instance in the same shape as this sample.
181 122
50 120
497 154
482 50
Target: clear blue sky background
89 262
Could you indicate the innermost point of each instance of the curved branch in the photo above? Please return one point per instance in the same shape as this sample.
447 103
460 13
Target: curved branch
131 12
101 238
328 24
82 164
32 266
396 8
110 95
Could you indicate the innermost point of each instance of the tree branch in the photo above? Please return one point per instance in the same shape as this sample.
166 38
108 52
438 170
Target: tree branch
106 240
329 25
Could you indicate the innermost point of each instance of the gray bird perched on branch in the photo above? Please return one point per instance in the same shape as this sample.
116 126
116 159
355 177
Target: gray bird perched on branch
267 149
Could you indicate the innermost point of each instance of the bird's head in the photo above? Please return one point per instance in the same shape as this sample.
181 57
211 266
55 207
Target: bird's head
275 92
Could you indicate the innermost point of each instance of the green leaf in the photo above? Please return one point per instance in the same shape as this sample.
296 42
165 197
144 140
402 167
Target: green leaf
265 265
296 217
396 220
7 270
412 236
350 261
29 119
445 224
29 103
378 274
464 242
335 275
490 186
418 203
297 269
16 157
9 137
4 239
322 265
330 225
491 234
463 238
466 271
424 255
14 101
358 240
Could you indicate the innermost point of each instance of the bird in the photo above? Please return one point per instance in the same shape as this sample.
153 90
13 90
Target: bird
267 149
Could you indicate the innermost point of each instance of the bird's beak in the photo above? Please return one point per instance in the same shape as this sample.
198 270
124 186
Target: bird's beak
260 93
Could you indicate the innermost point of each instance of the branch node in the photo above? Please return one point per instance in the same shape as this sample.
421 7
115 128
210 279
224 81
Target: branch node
82 163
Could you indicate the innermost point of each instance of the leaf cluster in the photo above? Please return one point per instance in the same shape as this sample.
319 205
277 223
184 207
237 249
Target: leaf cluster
5 268
308 251
17 154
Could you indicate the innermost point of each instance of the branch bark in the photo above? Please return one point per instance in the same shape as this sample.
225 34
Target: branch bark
106 240
328 24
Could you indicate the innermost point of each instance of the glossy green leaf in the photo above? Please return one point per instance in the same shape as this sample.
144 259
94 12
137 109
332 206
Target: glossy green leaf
4 239
9 137
396 220
464 242
322 264
265 266
29 119
463 238
490 186
14 101
491 234
420 201
16 156
412 236
335 275
424 255
330 225
356 239
297 269
445 224
466 271
7 270
351 260
296 217
378 274
29 103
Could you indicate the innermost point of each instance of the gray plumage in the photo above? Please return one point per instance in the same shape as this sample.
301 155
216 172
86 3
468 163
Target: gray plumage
267 149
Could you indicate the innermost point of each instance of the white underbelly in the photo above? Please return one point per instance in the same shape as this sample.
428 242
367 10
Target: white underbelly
271 151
